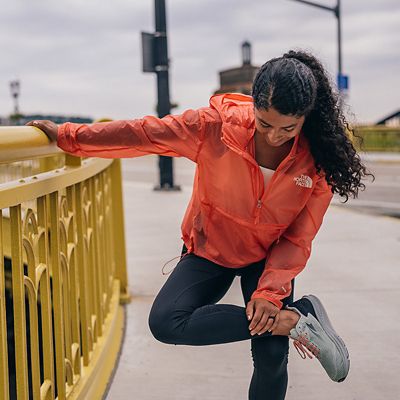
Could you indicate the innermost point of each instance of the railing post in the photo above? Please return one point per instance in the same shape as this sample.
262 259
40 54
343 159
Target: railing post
4 390
18 292
119 230
57 296
83 278
72 161
45 297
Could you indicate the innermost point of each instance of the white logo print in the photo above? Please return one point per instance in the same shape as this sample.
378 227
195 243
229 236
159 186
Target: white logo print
303 180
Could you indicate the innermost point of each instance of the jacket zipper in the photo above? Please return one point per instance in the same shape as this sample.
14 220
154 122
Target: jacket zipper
261 193
286 162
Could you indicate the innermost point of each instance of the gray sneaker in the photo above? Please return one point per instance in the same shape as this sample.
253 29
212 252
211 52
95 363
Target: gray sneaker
314 332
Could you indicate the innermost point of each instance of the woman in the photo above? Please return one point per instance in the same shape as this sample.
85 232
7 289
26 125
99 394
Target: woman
267 168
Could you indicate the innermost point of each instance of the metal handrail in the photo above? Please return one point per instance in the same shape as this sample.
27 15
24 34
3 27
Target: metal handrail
19 143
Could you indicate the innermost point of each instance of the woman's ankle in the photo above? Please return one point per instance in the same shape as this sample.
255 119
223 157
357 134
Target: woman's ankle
287 321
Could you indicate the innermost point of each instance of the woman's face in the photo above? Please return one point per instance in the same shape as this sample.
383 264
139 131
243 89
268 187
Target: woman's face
275 128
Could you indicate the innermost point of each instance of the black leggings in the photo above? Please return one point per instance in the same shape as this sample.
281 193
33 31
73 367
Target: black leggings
184 313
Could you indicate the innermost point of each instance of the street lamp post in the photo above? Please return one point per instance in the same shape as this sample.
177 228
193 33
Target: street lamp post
15 90
164 104
246 53
342 80
155 59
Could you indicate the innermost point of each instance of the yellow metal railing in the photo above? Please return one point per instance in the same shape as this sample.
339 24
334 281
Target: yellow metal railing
62 271
379 138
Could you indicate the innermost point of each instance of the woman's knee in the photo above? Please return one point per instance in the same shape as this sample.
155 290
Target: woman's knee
159 323
163 323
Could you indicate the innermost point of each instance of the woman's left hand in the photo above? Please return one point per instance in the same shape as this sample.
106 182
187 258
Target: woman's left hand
264 316
48 127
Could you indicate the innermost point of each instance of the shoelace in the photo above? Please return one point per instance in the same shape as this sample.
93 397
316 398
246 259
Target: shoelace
302 341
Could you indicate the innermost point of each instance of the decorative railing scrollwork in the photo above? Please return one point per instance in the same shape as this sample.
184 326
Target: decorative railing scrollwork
62 271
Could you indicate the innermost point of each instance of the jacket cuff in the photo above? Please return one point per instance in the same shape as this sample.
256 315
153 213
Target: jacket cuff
272 300
64 139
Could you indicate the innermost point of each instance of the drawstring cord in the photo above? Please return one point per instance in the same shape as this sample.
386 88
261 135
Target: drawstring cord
172 259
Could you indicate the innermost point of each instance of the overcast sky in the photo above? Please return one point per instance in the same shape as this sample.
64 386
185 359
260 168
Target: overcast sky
84 57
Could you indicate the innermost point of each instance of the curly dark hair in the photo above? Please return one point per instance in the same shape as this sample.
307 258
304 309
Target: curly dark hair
297 84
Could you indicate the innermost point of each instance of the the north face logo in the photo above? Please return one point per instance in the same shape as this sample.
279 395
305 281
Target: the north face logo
303 180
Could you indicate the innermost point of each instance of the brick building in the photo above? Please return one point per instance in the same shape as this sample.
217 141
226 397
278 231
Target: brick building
239 79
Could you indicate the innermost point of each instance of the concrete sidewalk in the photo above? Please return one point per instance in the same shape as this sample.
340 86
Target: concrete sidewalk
354 269
381 156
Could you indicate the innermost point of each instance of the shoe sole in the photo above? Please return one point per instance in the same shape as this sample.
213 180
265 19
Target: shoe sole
323 318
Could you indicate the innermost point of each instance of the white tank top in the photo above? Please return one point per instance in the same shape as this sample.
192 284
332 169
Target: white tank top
267 172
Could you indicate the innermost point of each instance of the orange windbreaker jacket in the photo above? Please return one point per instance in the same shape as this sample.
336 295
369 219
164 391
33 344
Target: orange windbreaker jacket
231 218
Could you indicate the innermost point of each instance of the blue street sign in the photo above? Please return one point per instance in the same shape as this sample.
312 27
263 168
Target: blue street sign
343 82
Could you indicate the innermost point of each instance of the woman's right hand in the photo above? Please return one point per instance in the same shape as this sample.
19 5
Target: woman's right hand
48 127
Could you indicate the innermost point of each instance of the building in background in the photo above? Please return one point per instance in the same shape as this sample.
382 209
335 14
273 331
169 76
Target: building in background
392 120
239 79
18 118
21 119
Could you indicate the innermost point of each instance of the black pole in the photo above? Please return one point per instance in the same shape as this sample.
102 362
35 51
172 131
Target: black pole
311 3
339 32
337 11
163 108
163 105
